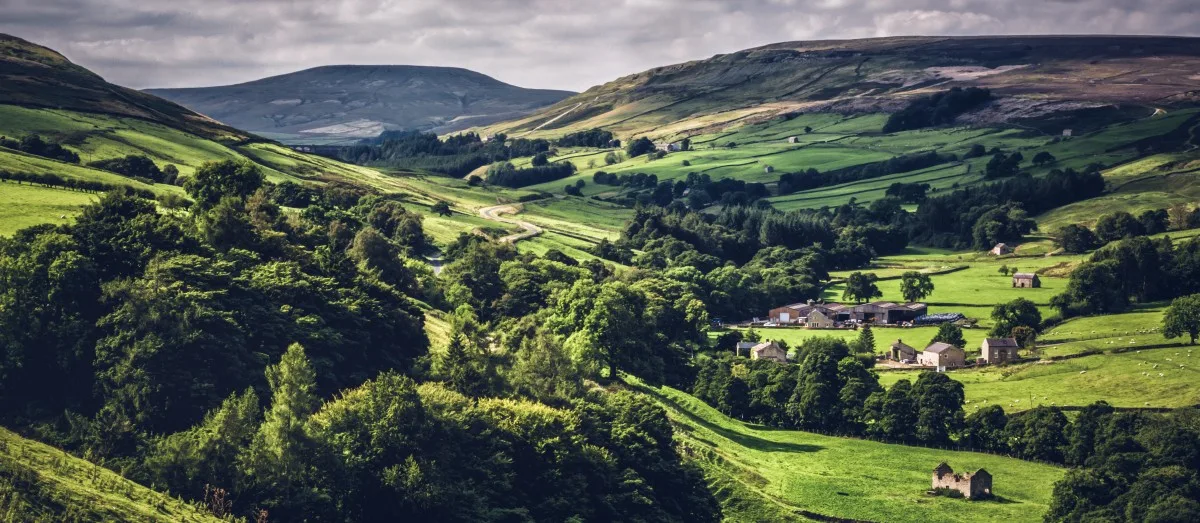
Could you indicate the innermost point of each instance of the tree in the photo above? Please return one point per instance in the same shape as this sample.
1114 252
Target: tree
1043 158
1077 239
865 341
915 286
861 287
460 367
1004 270
1093 288
1017 313
1024 335
216 180
543 370
984 429
1038 434
639 147
1183 317
441 208
949 333
1118 225
611 158
939 407
279 456
540 160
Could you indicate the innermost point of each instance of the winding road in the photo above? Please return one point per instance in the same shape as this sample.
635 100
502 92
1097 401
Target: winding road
493 213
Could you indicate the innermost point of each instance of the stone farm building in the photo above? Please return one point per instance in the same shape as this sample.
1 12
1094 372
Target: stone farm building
943 356
1000 249
879 312
667 147
998 350
977 485
899 351
1026 280
768 350
793 139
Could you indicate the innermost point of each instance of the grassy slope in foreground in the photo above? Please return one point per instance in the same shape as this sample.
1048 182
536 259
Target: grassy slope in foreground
41 483
852 478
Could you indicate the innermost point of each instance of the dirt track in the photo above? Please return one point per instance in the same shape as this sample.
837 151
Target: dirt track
493 213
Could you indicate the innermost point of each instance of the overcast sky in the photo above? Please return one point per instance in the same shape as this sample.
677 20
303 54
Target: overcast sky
565 44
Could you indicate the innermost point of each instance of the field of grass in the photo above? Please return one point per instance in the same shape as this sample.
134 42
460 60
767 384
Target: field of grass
41 483
844 477
28 205
972 291
1129 379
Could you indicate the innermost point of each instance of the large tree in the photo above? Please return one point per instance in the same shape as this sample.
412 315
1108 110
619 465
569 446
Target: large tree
215 180
861 287
915 286
1017 313
1183 317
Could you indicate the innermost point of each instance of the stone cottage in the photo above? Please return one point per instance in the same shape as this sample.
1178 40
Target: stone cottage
768 350
977 485
942 356
899 351
998 350
1026 280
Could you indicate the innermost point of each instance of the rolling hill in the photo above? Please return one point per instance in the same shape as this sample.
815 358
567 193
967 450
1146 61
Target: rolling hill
35 76
348 102
1036 78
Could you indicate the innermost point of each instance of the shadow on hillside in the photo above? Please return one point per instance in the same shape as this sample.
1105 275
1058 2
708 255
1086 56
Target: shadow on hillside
746 440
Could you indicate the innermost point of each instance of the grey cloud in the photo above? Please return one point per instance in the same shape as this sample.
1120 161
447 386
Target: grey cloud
540 43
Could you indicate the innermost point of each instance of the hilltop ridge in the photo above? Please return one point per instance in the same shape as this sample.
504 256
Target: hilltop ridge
348 102
1033 77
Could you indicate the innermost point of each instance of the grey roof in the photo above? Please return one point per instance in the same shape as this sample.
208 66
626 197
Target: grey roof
902 345
1024 275
940 347
1001 342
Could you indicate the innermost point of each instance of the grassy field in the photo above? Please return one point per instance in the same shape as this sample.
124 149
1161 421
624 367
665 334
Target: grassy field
1140 378
27 205
842 477
974 290
41 483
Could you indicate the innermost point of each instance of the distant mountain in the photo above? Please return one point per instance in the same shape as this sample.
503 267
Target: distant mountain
356 101
1034 77
35 76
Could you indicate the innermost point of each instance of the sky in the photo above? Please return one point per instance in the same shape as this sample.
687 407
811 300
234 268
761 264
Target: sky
560 44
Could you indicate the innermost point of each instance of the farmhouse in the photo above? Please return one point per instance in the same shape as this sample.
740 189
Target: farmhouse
898 351
743 348
768 350
999 350
667 147
818 320
977 485
1026 280
942 356
1000 249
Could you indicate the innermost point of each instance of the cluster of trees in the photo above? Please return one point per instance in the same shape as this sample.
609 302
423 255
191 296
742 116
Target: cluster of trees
937 109
908 192
1130 466
506 175
981 216
456 155
74 184
209 349
812 179
1003 165
139 167
1075 238
1136 269
35 145
639 146
590 138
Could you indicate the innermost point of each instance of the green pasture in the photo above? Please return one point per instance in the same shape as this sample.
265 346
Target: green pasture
28 205
845 477
62 487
